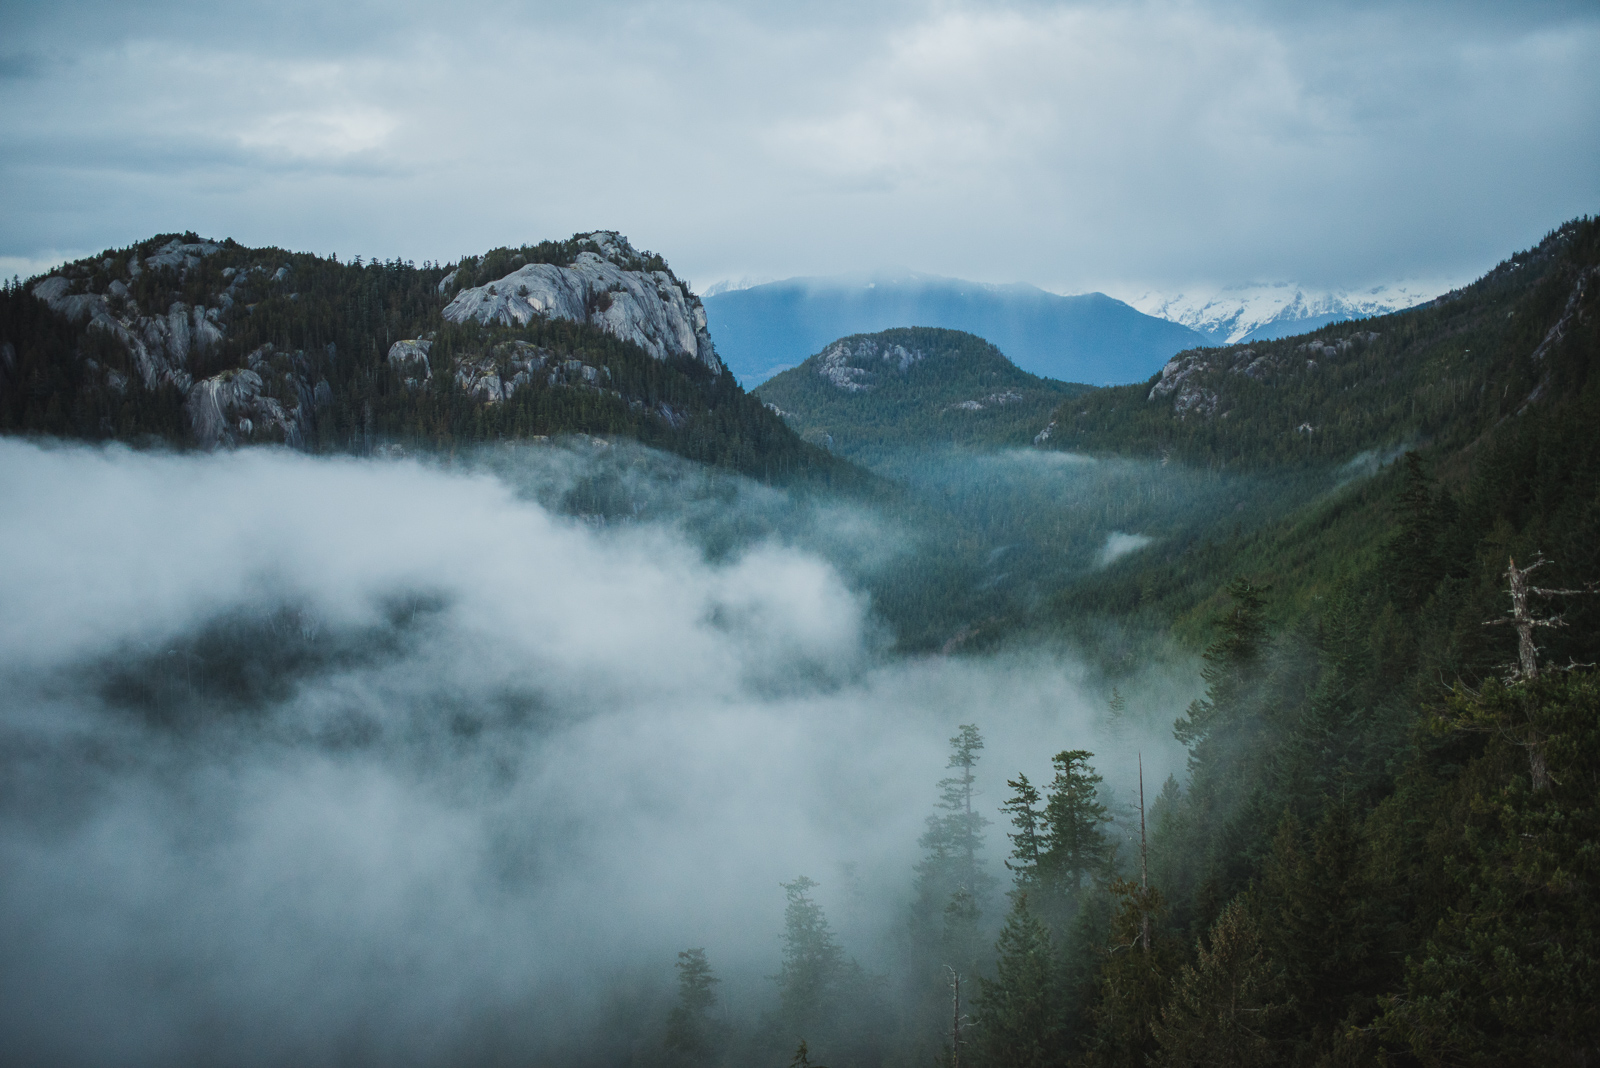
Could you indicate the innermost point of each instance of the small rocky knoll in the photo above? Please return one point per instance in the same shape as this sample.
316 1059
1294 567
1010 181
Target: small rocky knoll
869 395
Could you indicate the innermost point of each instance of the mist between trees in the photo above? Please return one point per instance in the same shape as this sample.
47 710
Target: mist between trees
328 760
325 761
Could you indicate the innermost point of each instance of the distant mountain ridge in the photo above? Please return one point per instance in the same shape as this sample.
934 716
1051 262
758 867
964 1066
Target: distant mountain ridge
1263 312
1092 338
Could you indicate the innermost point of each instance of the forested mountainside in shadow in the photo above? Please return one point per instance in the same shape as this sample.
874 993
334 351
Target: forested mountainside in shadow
1441 373
869 394
1384 851
190 341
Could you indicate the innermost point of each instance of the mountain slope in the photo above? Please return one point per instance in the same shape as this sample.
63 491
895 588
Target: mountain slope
912 386
210 343
1089 338
1443 373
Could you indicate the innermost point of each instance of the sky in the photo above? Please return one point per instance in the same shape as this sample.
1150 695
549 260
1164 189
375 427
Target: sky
1077 146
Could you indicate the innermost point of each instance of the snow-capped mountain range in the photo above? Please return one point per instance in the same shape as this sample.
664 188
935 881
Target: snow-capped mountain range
1263 311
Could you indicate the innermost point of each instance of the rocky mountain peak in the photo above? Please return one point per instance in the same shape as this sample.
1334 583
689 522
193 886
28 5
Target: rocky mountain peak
613 288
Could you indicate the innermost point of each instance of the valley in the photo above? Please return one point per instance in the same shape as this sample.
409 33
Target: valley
466 643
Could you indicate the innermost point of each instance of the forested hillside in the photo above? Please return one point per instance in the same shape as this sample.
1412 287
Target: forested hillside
189 341
1384 848
1437 375
867 395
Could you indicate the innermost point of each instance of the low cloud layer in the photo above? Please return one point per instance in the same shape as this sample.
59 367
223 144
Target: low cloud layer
1073 145
334 761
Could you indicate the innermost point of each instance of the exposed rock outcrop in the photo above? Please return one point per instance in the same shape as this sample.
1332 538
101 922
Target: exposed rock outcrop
159 344
410 358
854 364
1195 380
235 406
652 309
993 400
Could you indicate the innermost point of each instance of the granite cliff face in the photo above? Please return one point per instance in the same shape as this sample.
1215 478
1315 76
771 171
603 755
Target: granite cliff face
160 343
270 398
606 286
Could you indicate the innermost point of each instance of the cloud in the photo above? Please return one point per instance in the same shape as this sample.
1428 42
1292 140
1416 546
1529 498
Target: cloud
1119 545
317 760
1078 145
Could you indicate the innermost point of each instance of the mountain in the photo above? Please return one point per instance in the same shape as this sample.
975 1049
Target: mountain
1441 373
1266 312
209 343
1089 338
917 386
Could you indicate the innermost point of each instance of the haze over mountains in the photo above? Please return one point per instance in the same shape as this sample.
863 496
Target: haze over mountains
1089 338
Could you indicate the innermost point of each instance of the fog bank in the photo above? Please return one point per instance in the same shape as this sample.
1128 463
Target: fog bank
344 761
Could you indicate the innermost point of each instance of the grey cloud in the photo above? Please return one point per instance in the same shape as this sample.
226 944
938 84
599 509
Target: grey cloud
321 761
1072 145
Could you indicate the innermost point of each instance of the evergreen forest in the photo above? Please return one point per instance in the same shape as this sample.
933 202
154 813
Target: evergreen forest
1372 553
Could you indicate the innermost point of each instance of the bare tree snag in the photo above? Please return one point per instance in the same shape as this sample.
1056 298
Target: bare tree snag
1527 666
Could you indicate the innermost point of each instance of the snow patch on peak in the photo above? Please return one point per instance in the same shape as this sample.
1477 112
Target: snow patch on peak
1257 311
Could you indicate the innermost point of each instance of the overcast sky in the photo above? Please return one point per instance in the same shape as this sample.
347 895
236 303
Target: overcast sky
1074 145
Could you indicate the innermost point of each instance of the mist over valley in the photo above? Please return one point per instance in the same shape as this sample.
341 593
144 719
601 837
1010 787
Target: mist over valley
1106 574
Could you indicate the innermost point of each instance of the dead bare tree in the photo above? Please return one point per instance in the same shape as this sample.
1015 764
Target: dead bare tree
1144 867
1526 668
955 1017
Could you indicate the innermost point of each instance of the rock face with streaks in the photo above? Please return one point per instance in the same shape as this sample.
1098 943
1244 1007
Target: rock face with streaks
605 286
160 344
268 401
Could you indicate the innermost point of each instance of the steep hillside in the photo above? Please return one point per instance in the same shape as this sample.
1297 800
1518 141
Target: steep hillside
914 386
1089 338
1442 373
209 343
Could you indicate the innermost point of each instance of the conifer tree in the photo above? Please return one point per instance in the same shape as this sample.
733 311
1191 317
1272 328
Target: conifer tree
1134 977
813 967
1223 1007
1233 662
1027 842
952 890
1021 1016
1074 844
1412 563
691 1032
955 835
